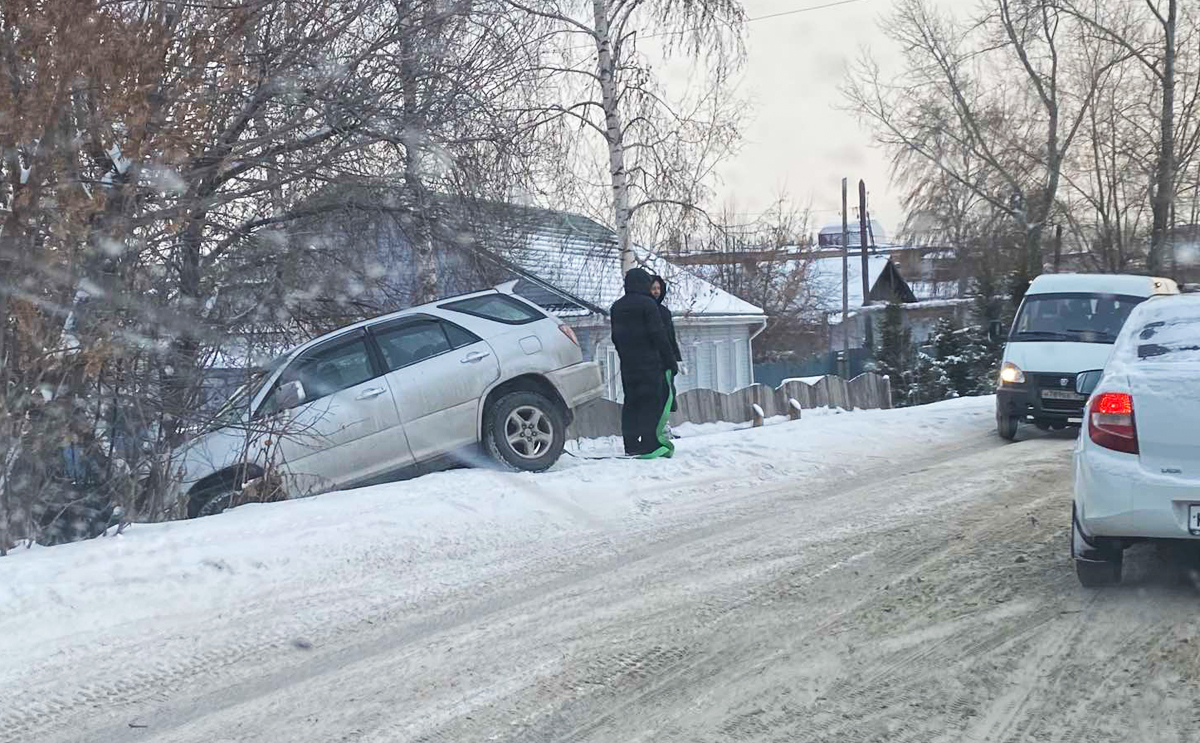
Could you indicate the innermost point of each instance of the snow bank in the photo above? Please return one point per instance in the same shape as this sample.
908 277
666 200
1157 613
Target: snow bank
393 543
805 380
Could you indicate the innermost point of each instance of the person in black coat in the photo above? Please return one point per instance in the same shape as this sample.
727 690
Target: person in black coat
647 367
658 290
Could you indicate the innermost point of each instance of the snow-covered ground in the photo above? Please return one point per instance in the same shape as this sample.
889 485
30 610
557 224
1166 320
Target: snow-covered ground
153 572
805 570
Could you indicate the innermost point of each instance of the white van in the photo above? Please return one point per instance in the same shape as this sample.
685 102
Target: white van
1066 324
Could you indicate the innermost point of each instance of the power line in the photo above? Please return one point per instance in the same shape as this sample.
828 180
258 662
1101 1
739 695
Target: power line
768 16
802 10
794 11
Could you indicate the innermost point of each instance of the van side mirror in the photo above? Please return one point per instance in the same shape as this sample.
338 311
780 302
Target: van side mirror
290 395
1086 382
995 330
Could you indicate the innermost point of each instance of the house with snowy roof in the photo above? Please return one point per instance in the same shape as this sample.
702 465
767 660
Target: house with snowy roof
571 266
830 236
359 263
886 284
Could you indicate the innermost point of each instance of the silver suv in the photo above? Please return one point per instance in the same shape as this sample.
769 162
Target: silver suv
367 402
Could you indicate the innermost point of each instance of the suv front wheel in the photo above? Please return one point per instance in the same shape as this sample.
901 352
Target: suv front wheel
525 431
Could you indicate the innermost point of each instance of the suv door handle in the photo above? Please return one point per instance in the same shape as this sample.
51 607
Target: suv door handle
474 356
369 393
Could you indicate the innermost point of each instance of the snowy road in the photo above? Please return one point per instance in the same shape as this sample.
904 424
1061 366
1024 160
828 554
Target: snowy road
886 576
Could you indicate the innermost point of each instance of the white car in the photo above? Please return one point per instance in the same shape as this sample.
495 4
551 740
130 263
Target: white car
372 400
1137 463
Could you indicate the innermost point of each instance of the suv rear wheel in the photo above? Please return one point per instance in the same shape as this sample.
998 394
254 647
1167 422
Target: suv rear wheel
525 431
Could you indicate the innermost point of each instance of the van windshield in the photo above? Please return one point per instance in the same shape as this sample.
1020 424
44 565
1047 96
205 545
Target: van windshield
1073 318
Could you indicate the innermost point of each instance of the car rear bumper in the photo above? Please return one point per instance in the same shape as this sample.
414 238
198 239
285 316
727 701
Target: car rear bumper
1025 402
1116 497
578 383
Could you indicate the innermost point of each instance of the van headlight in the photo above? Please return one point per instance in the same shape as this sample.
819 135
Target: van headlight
1010 373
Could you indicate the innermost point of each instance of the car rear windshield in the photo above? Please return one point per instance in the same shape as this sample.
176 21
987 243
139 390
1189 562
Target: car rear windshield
1170 340
498 307
1074 318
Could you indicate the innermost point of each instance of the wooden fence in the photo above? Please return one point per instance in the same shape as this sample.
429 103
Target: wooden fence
864 392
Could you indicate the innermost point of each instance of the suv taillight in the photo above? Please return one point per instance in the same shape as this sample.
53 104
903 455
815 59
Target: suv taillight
1111 423
567 331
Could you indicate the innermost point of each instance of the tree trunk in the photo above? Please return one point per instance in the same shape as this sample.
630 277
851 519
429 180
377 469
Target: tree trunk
613 134
3 324
416 226
179 374
1164 176
419 235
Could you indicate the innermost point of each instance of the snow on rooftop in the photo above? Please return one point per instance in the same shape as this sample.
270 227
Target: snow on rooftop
934 289
825 280
875 232
591 271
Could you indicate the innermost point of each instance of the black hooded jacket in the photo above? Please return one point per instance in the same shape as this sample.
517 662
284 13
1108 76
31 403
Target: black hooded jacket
638 331
668 320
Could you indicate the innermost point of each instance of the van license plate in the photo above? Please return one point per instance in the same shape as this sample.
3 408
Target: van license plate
1062 395
1194 519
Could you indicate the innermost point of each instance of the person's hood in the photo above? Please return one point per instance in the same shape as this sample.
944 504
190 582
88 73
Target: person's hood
638 281
661 297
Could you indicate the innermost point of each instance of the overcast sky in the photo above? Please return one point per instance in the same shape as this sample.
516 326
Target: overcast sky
797 139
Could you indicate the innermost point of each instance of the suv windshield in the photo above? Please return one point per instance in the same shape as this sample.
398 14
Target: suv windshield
239 401
1076 318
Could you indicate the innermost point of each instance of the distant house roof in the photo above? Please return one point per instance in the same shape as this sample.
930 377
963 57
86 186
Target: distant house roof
832 234
567 263
928 290
883 279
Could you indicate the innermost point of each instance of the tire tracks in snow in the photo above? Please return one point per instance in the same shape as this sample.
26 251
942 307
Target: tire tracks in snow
223 664
698 668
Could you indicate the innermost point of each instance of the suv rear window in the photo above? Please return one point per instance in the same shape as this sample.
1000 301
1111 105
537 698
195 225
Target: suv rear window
498 307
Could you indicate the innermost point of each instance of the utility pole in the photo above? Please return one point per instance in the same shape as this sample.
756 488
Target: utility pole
1058 230
1174 258
862 234
845 280
867 237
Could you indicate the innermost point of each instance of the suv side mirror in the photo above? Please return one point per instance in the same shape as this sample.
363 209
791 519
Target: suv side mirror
1086 381
995 330
290 395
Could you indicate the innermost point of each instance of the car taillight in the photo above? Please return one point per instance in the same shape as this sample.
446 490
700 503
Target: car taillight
567 331
1111 423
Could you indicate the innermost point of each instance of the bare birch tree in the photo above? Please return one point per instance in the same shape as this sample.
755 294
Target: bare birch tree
657 152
